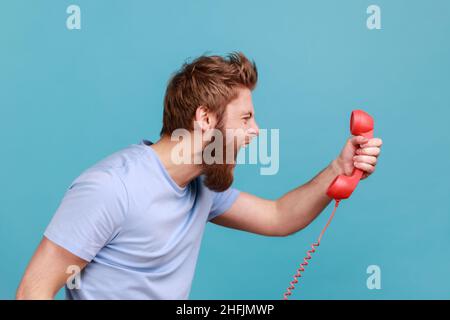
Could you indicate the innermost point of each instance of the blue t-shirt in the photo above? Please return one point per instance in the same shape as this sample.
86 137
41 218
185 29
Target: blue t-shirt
138 229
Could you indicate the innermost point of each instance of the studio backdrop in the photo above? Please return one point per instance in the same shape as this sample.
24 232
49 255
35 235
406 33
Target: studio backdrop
82 79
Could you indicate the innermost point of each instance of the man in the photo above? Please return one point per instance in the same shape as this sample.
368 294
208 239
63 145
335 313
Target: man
133 222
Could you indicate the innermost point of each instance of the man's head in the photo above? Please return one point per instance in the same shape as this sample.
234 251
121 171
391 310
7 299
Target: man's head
214 92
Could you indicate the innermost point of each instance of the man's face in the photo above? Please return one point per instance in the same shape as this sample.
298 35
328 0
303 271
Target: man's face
238 128
240 118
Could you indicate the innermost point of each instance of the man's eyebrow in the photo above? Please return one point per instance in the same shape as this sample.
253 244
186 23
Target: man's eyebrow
247 113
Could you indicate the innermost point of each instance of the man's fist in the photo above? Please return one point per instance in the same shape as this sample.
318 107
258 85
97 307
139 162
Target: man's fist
361 153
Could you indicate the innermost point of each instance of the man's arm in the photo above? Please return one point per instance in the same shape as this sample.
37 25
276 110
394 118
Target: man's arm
299 207
290 213
92 210
46 273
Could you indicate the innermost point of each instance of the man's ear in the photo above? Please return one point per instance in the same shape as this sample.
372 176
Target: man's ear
204 119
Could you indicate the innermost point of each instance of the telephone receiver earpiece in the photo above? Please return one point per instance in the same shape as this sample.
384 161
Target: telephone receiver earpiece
361 124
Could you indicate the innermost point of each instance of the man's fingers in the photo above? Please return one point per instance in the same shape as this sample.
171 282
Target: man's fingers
366 159
364 167
369 151
357 140
375 142
366 154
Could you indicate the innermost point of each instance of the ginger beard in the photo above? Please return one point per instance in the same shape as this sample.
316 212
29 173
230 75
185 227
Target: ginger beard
219 175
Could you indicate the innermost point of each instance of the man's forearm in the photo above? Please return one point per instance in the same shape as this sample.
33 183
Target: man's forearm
299 207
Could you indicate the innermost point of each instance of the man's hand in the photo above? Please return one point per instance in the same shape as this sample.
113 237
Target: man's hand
361 153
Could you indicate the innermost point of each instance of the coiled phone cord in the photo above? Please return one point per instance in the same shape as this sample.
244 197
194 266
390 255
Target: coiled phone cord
308 255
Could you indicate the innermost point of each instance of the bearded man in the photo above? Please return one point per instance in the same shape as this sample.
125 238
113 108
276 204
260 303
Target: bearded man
132 224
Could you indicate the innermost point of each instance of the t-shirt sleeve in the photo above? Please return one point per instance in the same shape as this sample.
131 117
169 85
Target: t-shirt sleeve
222 201
90 213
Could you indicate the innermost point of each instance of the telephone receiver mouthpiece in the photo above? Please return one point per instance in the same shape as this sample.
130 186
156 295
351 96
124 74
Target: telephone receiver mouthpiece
361 124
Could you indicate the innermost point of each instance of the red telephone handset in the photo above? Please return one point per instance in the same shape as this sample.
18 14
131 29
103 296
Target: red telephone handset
361 124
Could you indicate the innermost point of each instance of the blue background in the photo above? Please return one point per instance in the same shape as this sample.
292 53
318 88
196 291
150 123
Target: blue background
71 97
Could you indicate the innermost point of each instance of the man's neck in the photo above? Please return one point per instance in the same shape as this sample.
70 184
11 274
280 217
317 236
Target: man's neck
182 173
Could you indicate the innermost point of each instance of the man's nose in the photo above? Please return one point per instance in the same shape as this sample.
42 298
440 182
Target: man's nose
255 128
253 131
